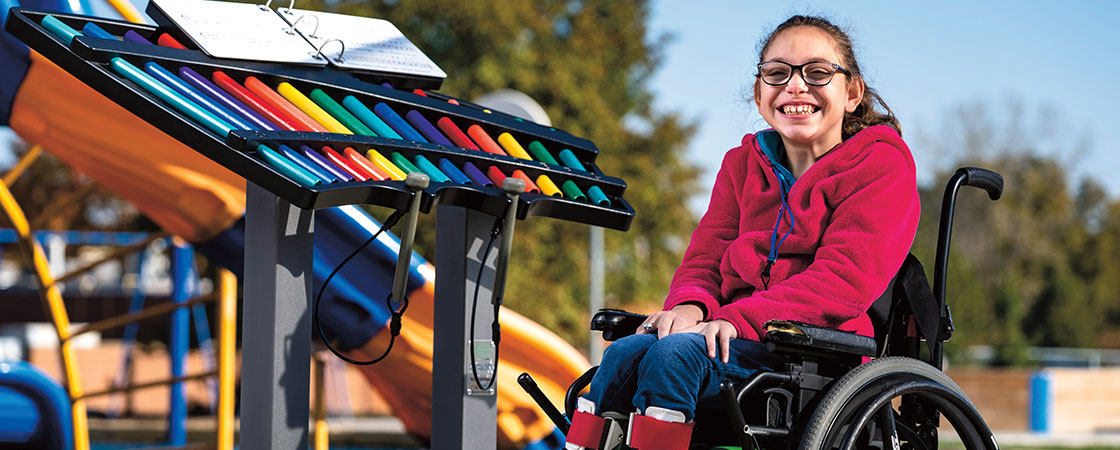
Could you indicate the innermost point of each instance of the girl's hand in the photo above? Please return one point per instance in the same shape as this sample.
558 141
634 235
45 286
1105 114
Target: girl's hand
717 334
672 321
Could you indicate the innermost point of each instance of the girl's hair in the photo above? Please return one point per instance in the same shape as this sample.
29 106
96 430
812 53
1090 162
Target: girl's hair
865 115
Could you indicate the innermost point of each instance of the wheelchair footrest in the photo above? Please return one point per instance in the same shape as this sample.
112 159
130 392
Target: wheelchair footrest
802 336
588 430
647 433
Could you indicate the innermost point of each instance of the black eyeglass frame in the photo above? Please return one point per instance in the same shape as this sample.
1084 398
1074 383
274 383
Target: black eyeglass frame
800 69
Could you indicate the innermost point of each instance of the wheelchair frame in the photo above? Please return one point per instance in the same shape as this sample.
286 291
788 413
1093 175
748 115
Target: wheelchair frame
826 397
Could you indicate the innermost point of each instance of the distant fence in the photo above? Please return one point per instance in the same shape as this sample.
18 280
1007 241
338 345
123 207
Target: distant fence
1054 400
983 355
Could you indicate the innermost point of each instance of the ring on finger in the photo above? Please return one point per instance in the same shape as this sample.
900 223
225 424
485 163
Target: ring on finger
647 326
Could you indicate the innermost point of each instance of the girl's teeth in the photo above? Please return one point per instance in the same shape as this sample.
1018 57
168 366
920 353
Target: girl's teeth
798 109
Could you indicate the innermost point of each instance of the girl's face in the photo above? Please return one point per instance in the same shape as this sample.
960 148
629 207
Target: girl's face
806 115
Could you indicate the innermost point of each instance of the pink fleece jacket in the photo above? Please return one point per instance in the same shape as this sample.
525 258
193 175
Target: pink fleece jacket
856 211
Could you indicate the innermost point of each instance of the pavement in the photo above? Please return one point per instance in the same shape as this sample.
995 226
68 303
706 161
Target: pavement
383 431
387 431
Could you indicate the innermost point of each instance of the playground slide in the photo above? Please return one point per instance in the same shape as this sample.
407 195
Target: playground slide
194 198
34 410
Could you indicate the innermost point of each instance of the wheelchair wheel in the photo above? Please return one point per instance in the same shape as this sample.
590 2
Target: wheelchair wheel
857 412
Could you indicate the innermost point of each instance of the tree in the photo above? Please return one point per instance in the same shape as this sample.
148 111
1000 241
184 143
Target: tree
587 63
1040 266
54 197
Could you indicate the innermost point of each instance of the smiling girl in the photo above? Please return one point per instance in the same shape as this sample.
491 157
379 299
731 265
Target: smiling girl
808 221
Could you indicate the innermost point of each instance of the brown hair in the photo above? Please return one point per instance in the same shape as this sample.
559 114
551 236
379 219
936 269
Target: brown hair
865 115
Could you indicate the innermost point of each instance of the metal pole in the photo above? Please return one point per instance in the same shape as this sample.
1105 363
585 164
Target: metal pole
227 349
596 290
462 417
182 259
276 337
322 436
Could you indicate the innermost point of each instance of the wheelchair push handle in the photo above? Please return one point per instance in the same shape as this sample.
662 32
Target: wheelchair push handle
968 176
984 179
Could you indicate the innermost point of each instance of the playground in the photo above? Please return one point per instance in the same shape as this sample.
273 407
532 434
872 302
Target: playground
201 205
276 300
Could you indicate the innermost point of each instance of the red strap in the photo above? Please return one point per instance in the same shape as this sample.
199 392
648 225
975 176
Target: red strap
586 430
649 433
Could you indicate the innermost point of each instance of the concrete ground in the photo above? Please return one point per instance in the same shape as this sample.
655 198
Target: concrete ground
388 432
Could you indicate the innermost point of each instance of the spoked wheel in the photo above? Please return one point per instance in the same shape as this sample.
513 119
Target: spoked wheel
858 413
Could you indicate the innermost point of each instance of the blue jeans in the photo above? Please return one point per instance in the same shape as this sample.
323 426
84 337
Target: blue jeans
674 372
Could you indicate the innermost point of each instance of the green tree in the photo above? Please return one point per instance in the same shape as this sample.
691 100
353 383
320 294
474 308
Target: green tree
1039 267
55 197
587 63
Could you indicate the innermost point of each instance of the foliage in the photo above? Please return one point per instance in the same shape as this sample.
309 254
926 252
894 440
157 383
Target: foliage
54 197
1039 267
587 63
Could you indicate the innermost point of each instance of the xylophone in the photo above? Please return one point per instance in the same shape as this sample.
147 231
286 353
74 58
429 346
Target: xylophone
322 137
317 137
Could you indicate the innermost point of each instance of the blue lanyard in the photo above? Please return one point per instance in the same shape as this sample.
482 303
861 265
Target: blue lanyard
785 184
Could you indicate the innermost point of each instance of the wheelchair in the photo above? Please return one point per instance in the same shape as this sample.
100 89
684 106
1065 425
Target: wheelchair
839 390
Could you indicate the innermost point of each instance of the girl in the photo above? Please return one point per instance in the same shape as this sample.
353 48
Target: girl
808 221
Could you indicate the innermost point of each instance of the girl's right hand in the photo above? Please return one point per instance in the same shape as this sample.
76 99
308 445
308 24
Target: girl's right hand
672 321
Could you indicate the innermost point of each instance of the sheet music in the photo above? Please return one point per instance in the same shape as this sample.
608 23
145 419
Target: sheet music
367 44
239 31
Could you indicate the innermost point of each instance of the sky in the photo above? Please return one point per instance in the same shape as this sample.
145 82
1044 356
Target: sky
924 58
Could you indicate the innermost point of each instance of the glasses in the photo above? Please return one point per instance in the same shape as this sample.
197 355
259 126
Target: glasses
777 73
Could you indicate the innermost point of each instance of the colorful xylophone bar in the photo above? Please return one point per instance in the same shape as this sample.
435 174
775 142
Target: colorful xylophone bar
223 104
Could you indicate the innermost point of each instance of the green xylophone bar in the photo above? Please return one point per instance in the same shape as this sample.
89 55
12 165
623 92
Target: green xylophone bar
542 154
333 108
403 163
572 191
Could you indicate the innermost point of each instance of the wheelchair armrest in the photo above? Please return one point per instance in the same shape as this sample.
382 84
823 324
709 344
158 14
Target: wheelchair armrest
616 323
797 337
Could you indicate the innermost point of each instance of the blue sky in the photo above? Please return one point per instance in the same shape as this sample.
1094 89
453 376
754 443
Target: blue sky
924 59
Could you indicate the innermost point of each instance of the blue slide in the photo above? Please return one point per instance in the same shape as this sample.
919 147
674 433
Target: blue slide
34 410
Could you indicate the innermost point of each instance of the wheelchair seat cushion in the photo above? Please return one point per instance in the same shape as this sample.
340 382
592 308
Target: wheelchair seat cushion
797 334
